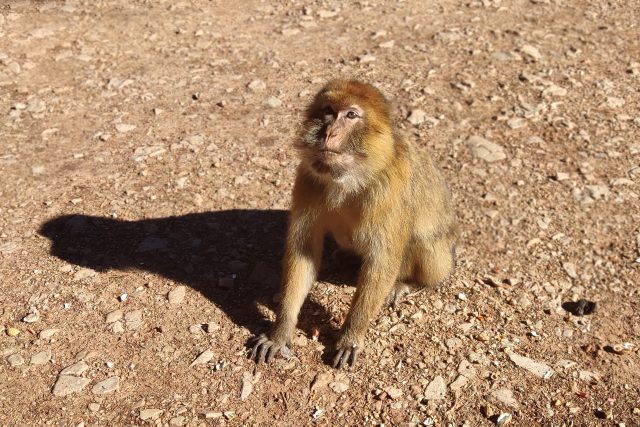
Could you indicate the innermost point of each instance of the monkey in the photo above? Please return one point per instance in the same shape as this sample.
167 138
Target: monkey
379 196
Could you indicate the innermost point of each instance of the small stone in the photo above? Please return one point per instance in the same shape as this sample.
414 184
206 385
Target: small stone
624 348
15 360
516 122
485 150
505 396
176 295
614 102
106 386
538 369
77 368
531 51
570 269
94 407
117 327
41 358
45 334
393 392
417 117
338 387
363 59
459 383
581 307
436 389
597 192
483 336
273 102
554 90
133 319
114 316
247 384
124 128
503 419
150 414
31 318
84 273
212 415
68 384
13 332
177 421
257 85
123 297
203 358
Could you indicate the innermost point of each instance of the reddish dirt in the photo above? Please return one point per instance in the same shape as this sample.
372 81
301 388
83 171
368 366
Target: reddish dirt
135 157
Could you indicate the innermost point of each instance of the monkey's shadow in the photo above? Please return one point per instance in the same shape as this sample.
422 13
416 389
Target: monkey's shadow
197 250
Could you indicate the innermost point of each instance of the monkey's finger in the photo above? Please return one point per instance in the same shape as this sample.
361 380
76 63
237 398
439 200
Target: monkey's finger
263 351
354 356
337 358
272 352
341 358
256 346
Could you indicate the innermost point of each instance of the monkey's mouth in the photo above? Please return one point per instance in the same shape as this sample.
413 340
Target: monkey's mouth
325 152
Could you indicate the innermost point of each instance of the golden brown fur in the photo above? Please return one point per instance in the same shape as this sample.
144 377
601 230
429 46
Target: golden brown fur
378 195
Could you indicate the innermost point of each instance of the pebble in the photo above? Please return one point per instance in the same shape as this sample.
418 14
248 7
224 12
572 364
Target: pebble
570 269
114 316
77 368
485 149
554 90
68 384
338 387
84 273
393 392
516 122
505 396
133 319
531 52
13 332
41 357
503 419
538 369
15 360
150 414
257 85
248 381
94 407
417 117
436 389
203 358
273 102
31 318
177 421
124 127
106 386
45 334
176 295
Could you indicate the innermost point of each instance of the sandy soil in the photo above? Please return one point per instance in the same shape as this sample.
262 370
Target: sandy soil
146 169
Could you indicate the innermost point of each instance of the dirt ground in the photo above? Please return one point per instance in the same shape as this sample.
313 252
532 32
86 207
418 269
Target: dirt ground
146 168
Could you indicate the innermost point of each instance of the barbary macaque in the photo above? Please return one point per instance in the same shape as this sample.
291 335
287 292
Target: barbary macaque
378 195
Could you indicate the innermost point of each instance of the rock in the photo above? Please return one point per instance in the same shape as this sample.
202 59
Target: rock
338 387
177 421
459 383
77 368
45 334
417 117
321 380
15 360
84 273
203 358
13 332
554 90
94 407
484 149
273 102
538 369
598 191
436 389
503 419
363 59
614 102
117 327
248 381
531 52
133 319
176 295
124 128
150 414
570 269
31 318
505 396
106 386
41 358
516 122
114 316
68 384
141 153
393 392
257 85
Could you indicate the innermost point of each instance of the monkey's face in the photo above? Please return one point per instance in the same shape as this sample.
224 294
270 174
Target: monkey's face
345 131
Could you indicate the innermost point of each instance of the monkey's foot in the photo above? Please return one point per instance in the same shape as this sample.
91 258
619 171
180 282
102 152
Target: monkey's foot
264 349
396 294
345 354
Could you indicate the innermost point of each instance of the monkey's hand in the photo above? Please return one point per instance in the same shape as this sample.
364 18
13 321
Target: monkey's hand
347 352
264 348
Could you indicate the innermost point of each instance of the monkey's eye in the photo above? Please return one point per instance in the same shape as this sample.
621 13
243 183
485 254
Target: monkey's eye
352 115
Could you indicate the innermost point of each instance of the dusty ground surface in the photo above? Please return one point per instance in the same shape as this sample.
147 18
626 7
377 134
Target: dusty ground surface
139 154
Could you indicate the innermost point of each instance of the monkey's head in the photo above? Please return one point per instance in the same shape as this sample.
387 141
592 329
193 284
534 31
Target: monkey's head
347 133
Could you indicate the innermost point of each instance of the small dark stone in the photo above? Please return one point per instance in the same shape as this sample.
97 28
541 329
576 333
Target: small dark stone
599 413
580 308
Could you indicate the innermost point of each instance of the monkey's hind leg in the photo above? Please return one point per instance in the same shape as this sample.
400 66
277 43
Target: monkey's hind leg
432 262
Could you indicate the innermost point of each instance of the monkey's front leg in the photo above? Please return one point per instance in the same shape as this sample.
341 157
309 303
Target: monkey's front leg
300 267
377 278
